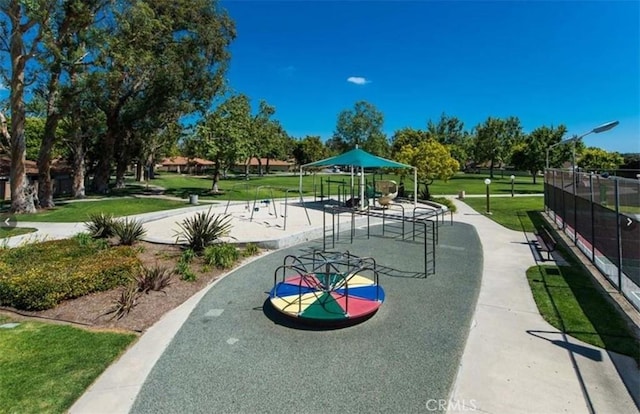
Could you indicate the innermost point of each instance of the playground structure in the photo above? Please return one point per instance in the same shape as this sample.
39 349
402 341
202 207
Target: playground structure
381 191
264 200
424 222
327 287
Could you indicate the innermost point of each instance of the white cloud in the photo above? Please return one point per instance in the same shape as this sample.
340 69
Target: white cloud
287 70
3 86
358 80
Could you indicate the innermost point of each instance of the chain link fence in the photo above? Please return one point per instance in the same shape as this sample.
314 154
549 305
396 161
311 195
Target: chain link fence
600 214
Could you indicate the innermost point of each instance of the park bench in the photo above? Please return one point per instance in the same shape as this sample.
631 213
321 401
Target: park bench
546 241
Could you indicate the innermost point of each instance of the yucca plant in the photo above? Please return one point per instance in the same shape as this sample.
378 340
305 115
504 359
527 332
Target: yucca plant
203 229
155 278
222 255
129 231
101 225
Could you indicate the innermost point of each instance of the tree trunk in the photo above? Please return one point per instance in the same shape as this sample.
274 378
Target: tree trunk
216 177
78 166
491 169
139 171
534 174
267 167
21 196
121 169
427 194
45 184
151 167
103 169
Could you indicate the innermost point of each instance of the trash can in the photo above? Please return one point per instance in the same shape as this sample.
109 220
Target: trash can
193 198
461 194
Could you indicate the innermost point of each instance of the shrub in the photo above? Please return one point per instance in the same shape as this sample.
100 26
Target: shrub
222 255
187 256
446 202
251 249
127 300
203 229
100 225
129 231
154 278
87 240
41 275
185 271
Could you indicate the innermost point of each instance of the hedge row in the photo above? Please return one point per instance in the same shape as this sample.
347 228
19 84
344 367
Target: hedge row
39 276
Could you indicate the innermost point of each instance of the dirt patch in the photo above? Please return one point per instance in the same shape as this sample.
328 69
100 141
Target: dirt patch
92 310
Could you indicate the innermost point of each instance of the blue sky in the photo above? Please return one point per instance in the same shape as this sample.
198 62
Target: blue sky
546 62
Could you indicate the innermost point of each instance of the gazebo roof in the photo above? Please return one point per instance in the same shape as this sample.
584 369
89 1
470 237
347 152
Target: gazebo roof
358 158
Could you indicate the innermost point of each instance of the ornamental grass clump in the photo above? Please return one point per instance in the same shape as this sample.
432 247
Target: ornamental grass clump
203 229
127 300
153 278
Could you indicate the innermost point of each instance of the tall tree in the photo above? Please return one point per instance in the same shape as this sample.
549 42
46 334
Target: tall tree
162 59
223 135
336 145
309 149
65 39
597 159
263 134
449 131
21 37
406 136
432 161
530 154
362 126
495 139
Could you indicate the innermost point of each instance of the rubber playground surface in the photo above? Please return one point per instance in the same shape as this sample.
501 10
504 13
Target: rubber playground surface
235 353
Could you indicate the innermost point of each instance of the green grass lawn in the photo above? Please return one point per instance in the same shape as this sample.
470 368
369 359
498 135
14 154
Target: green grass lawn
568 299
16 231
240 189
80 211
517 213
46 367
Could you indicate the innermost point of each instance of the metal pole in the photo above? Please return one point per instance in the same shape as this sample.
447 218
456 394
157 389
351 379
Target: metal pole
564 204
488 202
618 234
593 223
575 207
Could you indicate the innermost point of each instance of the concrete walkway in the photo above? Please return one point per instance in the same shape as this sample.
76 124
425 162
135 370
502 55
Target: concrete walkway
514 361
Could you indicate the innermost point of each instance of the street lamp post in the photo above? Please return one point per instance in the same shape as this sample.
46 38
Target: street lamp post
596 130
513 177
487 182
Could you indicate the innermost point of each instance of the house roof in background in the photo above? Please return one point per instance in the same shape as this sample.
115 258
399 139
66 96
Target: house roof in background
184 161
31 167
253 162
